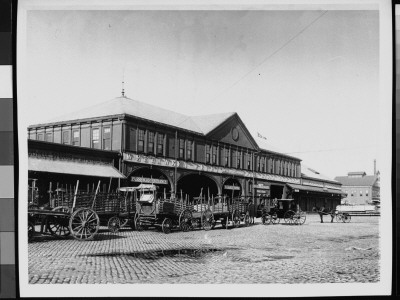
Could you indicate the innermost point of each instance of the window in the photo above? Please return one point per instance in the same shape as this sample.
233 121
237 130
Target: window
140 140
214 155
250 187
75 138
95 138
352 193
181 148
107 138
208 156
65 137
160 144
189 150
259 164
40 137
226 157
360 193
150 142
248 162
49 137
366 193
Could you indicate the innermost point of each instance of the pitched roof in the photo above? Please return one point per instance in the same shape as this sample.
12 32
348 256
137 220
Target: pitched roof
126 106
312 173
367 180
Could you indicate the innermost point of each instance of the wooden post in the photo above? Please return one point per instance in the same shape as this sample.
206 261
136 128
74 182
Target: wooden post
76 191
95 194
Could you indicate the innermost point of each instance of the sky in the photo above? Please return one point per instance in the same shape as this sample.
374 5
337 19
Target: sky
308 81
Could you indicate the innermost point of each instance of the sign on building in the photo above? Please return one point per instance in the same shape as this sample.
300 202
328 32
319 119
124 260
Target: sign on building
149 180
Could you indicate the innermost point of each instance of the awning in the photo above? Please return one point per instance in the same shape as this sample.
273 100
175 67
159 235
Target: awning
72 167
314 189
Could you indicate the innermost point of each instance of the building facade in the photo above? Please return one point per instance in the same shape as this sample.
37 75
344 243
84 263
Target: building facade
360 188
209 155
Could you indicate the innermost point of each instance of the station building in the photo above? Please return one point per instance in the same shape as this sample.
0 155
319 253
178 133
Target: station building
189 155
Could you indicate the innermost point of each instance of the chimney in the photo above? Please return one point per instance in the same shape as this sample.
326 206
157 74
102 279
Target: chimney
374 166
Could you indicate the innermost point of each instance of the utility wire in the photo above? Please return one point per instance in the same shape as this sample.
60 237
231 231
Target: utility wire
335 149
271 55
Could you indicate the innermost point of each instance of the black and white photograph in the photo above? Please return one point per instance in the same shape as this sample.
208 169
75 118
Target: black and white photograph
215 148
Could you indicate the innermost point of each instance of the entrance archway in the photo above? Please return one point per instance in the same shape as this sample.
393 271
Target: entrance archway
192 184
150 175
232 187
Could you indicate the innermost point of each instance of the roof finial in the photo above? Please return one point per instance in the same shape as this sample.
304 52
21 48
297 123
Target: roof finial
123 82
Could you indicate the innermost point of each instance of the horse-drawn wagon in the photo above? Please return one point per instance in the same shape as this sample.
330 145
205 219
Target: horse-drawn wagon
276 209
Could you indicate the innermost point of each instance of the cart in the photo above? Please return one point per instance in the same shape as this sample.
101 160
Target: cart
286 209
79 214
157 210
226 209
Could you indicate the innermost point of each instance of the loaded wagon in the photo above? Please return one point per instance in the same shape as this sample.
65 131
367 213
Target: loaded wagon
225 209
80 214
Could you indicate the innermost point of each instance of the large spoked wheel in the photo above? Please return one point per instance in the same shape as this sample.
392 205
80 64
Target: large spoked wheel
84 224
31 231
207 220
346 218
266 219
166 225
300 218
59 225
289 217
185 220
246 220
274 218
236 219
114 224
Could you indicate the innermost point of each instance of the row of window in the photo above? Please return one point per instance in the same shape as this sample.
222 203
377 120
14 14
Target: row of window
150 142
353 193
75 141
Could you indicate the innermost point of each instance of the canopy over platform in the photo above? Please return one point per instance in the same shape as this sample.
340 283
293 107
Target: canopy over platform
72 167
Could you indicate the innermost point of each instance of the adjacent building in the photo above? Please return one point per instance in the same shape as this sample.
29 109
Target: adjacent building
360 188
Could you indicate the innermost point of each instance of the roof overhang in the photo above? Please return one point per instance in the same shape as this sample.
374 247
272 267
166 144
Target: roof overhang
306 188
73 167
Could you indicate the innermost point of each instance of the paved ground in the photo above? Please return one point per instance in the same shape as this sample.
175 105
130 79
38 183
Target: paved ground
311 253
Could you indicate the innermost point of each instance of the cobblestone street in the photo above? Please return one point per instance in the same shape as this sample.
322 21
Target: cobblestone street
311 253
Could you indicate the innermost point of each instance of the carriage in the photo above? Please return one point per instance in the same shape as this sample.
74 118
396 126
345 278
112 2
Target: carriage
80 214
276 209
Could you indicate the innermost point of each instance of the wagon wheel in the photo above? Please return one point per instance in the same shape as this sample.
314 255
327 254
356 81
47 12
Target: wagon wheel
185 218
288 216
114 224
84 224
235 219
207 219
138 224
300 218
31 231
58 225
346 218
247 220
339 217
266 219
166 225
274 218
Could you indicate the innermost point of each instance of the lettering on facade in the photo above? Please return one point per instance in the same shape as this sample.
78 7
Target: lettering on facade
231 187
167 162
260 186
149 180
